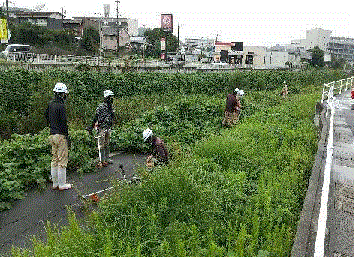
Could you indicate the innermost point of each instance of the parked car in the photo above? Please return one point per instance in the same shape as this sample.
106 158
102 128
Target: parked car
16 52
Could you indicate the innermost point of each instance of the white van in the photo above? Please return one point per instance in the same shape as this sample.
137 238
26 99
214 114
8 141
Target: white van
16 50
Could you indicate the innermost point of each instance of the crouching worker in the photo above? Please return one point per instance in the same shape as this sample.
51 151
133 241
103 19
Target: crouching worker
103 121
159 153
59 139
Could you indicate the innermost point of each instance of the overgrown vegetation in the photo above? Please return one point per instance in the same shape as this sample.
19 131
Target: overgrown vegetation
234 192
25 94
238 193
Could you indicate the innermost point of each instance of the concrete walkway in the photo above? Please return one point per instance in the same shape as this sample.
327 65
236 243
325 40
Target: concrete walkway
339 241
29 216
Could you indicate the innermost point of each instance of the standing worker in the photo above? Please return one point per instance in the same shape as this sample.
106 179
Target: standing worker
59 137
159 153
104 120
285 92
233 108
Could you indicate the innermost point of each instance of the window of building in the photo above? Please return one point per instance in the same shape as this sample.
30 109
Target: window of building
249 59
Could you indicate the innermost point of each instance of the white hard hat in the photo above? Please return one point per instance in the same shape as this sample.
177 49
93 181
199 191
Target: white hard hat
147 133
241 92
236 90
60 88
107 93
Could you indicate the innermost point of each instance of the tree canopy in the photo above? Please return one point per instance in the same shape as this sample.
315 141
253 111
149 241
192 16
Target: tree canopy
153 39
91 40
317 57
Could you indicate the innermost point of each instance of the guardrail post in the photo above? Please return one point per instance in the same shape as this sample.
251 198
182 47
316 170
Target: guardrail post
323 92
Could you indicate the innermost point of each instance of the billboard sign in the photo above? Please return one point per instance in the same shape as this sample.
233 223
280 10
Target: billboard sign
167 22
3 31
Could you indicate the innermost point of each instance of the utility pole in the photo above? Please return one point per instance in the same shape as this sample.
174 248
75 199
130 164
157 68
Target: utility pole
62 16
178 37
7 12
117 1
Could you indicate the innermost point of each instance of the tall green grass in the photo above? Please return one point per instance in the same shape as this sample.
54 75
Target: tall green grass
238 192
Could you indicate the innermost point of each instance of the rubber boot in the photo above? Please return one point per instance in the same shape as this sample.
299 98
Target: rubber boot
104 157
54 174
62 179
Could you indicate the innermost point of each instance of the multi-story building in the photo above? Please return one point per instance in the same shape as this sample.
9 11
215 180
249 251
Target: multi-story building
342 48
256 57
337 47
317 37
314 37
108 30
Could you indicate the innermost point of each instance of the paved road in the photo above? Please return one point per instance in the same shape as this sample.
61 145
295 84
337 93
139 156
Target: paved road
29 215
340 221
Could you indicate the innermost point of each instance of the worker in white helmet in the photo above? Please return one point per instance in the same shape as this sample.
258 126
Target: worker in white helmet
159 153
232 108
59 137
103 121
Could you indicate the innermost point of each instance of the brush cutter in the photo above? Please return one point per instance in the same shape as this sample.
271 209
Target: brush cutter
94 197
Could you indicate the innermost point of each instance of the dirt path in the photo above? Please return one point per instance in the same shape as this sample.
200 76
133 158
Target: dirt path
29 216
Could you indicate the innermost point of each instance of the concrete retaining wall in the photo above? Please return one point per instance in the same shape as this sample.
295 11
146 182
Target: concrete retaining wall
304 242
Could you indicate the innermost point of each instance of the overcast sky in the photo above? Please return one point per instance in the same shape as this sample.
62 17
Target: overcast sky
252 22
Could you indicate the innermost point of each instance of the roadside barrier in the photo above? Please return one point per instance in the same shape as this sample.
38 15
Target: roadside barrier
55 59
329 91
311 230
336 87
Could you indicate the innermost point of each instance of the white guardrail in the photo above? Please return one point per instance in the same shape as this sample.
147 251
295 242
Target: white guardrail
55 59
328 93
336 87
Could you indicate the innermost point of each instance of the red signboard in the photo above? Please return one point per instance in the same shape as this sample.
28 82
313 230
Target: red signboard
167 22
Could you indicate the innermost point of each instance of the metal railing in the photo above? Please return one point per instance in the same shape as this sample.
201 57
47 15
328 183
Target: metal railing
328 93
55 59
336 87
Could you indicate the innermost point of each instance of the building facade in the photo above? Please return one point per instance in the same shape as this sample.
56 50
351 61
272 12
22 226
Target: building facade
317 37
333 47
107 28
342 48
49 20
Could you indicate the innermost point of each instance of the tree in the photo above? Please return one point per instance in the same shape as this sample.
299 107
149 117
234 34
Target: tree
27 33
43 39
337 63
153 40
317 59
90 40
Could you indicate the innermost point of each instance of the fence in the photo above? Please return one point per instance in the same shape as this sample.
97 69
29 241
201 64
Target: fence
55 59
328 92
336 87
